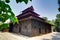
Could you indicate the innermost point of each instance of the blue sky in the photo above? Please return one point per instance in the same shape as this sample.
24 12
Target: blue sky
45 8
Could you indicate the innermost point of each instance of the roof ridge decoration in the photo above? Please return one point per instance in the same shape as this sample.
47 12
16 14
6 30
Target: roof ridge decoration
28 9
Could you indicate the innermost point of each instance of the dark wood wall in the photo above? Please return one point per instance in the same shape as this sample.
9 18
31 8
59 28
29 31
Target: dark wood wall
41 27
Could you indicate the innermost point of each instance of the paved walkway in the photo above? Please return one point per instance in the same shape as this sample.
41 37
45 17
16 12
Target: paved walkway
11 36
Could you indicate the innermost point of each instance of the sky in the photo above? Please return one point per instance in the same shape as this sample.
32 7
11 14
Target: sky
45 8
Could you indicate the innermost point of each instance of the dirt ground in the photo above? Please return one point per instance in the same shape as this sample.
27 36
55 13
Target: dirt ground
13 36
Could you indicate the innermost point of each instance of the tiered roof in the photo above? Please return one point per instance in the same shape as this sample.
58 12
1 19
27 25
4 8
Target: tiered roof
26 12
30 14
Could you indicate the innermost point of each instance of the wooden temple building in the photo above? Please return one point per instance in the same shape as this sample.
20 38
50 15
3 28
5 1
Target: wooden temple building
31 24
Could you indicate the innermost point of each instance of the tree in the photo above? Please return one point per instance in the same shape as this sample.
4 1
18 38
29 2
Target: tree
59 5
45 18
26 1
57 22
6 13
49 21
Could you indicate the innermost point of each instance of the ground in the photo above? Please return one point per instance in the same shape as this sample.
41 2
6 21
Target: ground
13 36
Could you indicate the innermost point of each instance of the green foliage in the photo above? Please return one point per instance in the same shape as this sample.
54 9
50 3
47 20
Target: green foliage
14 20
5 10
57 22
7 1
3 26
19 1
30 0
6 13
57 16
49 21
25 1
45 18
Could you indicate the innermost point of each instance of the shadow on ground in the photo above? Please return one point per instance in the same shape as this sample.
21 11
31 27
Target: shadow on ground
54 37
46 39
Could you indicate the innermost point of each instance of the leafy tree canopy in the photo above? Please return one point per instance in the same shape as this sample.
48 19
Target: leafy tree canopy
49 21
45 18
6 12
57 22
26 1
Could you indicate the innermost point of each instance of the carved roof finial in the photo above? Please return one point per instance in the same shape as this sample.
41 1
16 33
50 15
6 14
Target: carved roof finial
28 9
